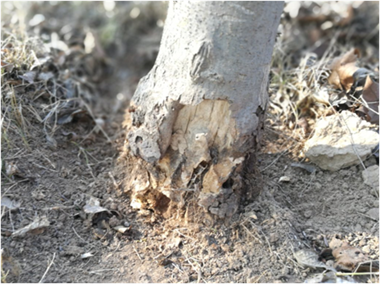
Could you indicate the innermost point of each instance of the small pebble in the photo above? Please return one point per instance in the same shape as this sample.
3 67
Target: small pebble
308 213
113 206
374 213
273 238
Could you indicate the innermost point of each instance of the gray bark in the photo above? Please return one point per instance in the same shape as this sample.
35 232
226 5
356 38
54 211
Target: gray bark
195 119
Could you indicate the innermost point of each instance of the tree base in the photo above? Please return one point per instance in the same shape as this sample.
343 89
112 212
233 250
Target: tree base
196 118
190 205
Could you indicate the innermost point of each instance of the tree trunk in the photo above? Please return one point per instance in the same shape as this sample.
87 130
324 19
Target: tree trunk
195 119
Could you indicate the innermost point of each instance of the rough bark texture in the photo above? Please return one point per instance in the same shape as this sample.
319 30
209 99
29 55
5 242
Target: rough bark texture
195 119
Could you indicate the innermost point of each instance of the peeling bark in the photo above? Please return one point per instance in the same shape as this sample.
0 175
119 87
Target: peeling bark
196 117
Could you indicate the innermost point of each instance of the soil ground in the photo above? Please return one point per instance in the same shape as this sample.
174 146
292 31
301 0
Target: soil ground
256 245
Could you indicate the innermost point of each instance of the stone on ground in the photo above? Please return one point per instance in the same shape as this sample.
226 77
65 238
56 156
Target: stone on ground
339 140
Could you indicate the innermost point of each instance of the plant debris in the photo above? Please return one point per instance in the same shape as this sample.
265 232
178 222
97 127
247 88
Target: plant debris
11 204
93 206
309 258
36 225
361 92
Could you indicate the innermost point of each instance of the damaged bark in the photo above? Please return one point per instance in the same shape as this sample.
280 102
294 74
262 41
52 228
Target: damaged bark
195 120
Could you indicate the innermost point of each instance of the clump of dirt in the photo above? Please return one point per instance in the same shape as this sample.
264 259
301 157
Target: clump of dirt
71 174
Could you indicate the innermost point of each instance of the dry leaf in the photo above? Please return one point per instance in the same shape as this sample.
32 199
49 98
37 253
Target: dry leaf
371 99
28 76
38 223
45 76
93 206
343 69
11 204
309 258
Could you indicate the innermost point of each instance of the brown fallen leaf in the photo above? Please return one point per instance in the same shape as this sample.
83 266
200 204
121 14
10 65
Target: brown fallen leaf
342 70
347 258
371 99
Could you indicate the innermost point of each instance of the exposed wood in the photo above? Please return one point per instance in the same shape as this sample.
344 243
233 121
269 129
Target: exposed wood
196 118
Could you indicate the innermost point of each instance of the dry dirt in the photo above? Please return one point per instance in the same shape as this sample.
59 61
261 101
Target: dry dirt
256 245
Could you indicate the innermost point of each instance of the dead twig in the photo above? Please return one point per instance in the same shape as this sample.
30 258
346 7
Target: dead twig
47 269
275 160
79 236
137 253
13 185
